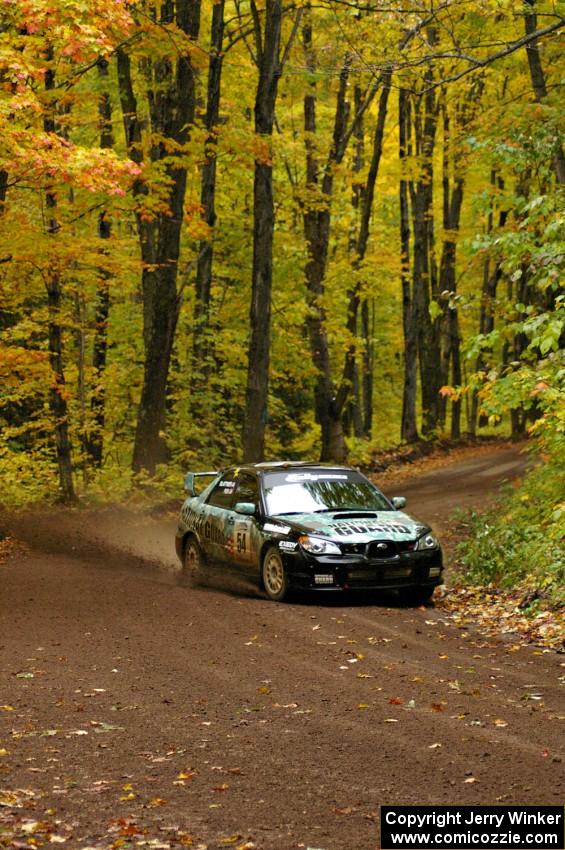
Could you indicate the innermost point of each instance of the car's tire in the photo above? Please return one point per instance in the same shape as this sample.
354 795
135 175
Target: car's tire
273 575
193 562
416 595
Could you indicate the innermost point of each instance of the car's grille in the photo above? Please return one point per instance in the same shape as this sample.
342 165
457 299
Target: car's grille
398 572
383 576
353 548
381 550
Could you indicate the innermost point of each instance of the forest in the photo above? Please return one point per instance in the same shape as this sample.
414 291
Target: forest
251 229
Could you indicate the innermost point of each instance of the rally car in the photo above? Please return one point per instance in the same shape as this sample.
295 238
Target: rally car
306 526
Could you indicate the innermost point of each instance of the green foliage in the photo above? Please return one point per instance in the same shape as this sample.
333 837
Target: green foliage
206 401
535 251
26 476
520 541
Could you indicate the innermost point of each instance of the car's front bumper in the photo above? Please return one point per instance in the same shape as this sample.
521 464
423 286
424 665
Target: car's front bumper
414 569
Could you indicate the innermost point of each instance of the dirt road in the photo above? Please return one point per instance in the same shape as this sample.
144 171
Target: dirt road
138 712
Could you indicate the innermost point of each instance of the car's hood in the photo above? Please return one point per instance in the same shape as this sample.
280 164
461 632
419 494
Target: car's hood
357 526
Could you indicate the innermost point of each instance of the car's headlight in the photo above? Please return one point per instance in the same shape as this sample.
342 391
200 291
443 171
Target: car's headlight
318 546
428 541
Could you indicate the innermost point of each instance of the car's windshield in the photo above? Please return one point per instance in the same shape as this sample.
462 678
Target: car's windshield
314 490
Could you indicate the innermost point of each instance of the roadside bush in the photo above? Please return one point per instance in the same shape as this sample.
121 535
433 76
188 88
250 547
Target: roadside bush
520 542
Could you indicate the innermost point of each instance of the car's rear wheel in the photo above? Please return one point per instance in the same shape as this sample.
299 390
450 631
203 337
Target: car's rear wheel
193 561
416 595
273 575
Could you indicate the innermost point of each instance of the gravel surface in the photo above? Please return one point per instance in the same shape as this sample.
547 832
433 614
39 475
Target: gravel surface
138 712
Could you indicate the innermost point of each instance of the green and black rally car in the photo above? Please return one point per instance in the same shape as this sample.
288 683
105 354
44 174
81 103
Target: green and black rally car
306 526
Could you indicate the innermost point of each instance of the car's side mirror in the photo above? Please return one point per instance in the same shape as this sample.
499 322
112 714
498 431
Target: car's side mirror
189 483
399 502
246 508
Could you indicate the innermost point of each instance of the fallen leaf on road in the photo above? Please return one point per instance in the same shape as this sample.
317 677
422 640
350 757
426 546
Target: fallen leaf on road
106 727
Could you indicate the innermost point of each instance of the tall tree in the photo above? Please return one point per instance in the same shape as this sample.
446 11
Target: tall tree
95 443
492 273
267 35
357 296
539 84
330 400
424 265
408 426
203 288
53 283
171 97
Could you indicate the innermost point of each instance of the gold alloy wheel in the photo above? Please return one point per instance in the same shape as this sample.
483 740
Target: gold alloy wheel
274 575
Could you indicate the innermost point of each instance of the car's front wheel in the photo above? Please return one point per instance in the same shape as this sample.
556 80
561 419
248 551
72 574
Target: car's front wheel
273 575
193 561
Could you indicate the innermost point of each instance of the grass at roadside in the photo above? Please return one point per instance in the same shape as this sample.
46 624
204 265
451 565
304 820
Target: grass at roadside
511 562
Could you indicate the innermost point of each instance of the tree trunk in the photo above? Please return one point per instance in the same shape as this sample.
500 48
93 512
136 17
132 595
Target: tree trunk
368 361
356 297
200 344
491 277
57 391
452 202
408 428
317 220
172 102
423 268
95 443
268 55
539 85
330 403
353 415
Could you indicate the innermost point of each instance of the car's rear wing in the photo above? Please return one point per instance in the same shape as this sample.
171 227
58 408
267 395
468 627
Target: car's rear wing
189 480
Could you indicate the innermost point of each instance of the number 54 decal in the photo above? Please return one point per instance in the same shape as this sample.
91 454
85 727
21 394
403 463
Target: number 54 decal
242 542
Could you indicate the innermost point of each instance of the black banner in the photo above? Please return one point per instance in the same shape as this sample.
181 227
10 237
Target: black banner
472 827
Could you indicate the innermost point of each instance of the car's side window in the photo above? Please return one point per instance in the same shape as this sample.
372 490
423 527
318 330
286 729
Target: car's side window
222 496
247 489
